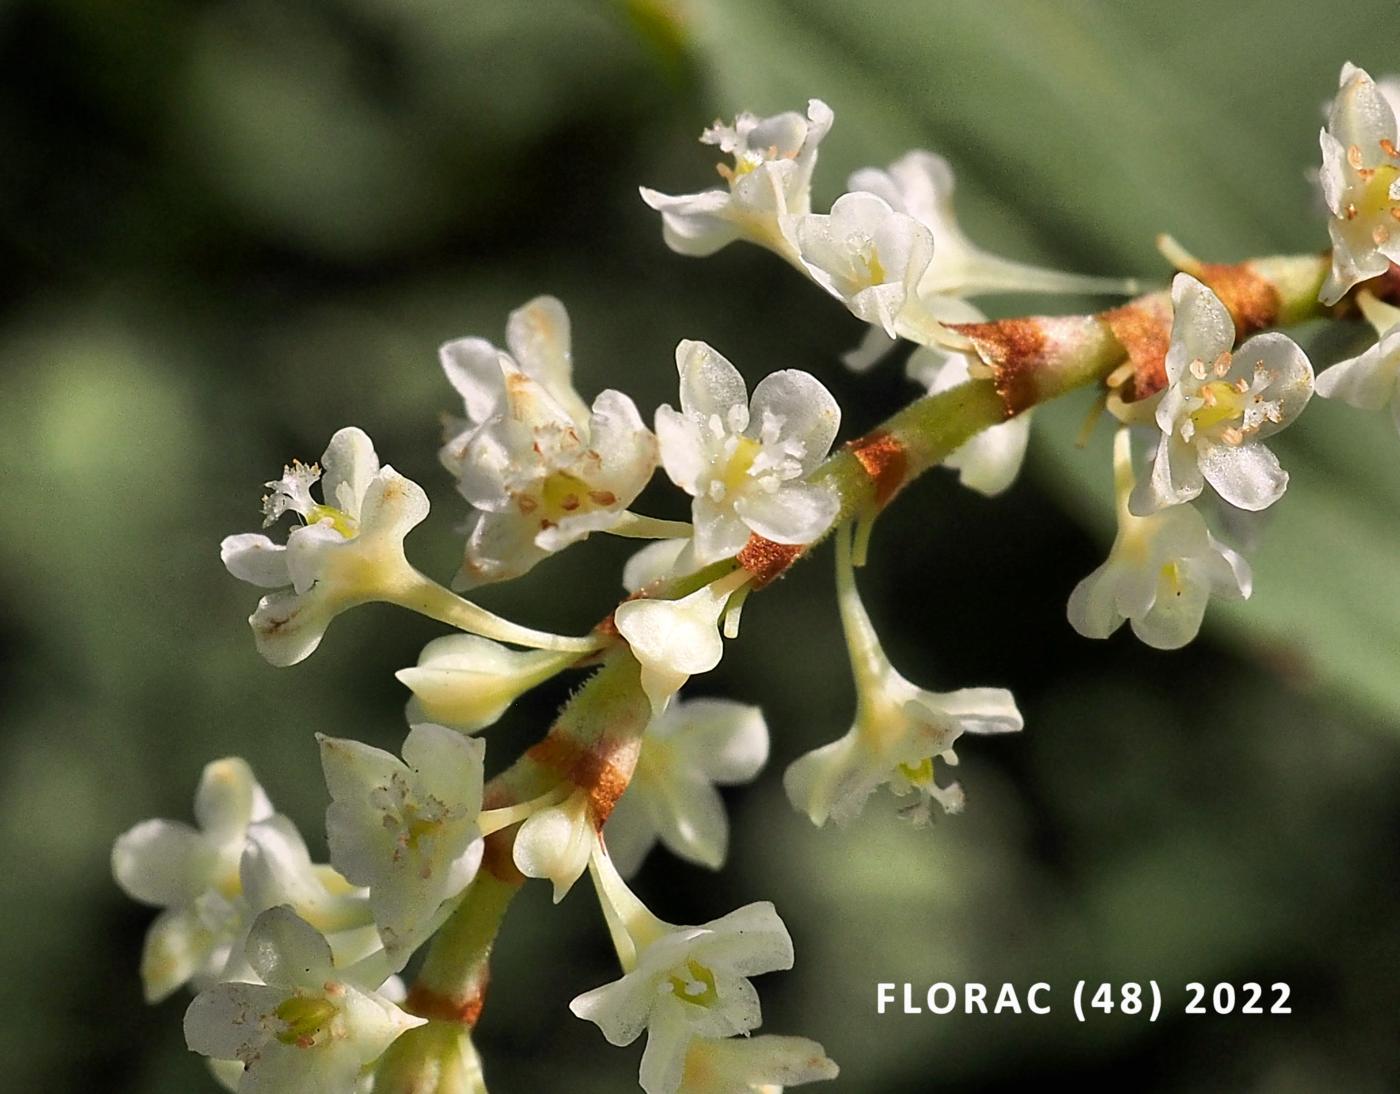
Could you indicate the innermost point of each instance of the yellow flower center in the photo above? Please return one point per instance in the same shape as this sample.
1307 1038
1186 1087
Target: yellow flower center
1224 402
697 986
1375 198
1171 574
736 471
305 1018
920 774
340 520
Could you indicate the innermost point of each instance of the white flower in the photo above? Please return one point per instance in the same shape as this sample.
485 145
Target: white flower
468 682
899 729
990 460
743 462
307 1028
771 177
1369 381
555 842
1160 572
920 184
1360 183
349 547
193 875
676 639
765 1064
1219 406
680 983
406 828
688 749
866 255
540 470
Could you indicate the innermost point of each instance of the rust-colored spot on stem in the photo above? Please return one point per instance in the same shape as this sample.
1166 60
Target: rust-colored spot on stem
602 771
766 560
885 461
1252 300
1014 349
464 1010
498 857
1143 328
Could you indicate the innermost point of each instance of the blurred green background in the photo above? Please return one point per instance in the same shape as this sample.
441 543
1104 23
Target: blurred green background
231 228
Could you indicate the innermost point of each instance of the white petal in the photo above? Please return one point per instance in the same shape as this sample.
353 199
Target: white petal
177 948
663 1061
652 563
710 385
447 765
726 740
227 1021
694 224
1093 604
1367 382
288 952
681 635
229 799
683 451
688 815
1176 614
255 559
797 512
393 506
719 532
162 863
1248 476
806 411
1201 326
629 833
349 464
979 710
1175 477
555 844
287 627
539 337
473 367
743 1065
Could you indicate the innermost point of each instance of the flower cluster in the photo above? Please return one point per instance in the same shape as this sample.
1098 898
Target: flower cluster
295 964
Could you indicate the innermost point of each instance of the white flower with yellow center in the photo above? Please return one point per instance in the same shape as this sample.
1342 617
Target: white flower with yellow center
1360 183
869 257
771 176
689 749
990 460
192 874
900 730
1160 573
1370 381
766 1064
744 462
1219 406
680 983
408 829
347 551
540 469
307 1027
674 640
468 682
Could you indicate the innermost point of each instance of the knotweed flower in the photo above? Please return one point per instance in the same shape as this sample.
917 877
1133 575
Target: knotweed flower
540 471
349 547
1219 406
468 682
307 1027
766 1064
192 874
407 829
689 749
677 639
899 730
990 461
1160 573
1360 182
1369 381
680 983
771 177
869 257
744 461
